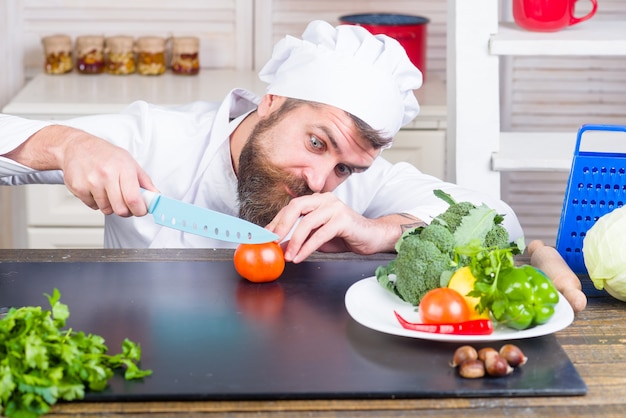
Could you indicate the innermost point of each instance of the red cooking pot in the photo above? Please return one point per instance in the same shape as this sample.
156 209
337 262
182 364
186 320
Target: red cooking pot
408 30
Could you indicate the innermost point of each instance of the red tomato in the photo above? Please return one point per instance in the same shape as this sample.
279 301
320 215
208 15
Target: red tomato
259 262
443 306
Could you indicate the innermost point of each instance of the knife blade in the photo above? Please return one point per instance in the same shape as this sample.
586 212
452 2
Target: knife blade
207 223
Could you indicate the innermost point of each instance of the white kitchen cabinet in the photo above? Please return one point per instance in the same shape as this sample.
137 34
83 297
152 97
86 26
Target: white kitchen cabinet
424 149
56 219
65 237
477 150
55 207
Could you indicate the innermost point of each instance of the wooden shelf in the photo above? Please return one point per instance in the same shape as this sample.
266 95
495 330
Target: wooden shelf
594 37
74 94
552 151
534 151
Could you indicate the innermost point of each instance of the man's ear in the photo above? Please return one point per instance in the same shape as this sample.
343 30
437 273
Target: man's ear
269 103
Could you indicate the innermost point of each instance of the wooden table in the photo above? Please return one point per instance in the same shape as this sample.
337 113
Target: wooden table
595 343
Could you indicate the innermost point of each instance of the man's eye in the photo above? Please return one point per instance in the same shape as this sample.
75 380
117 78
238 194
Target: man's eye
343 170
316 143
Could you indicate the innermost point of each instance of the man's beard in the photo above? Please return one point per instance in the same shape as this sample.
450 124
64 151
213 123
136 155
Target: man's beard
262 188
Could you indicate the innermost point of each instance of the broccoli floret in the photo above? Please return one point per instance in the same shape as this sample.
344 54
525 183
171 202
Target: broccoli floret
497 236
423 256
440 236
453 216
419 268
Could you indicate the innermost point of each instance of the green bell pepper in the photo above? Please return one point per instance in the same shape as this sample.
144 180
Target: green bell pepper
530 297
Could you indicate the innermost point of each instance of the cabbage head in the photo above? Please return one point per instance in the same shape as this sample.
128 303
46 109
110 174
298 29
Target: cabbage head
604 252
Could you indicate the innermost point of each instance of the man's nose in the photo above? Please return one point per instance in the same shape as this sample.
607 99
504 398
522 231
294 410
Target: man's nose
316 178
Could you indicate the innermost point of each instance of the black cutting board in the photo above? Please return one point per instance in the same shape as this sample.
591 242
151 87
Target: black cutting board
208 334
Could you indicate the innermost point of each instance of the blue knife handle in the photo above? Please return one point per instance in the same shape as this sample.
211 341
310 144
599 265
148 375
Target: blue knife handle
150 198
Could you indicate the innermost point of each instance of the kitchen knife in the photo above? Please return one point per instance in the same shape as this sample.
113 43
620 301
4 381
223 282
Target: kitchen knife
207 223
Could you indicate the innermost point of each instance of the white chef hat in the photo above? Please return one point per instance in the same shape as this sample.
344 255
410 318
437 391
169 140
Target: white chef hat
369 76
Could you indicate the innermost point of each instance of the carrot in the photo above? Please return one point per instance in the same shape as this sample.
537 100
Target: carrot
548 260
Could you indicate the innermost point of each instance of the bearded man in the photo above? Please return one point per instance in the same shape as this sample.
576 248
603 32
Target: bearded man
303 160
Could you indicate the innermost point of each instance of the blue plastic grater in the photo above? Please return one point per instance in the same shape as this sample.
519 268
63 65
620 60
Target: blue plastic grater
596 186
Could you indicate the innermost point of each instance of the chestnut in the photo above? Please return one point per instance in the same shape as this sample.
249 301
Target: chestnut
463 353
497 366
472 369
513 355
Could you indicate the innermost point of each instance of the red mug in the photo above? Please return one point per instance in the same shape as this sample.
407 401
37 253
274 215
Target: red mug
548 15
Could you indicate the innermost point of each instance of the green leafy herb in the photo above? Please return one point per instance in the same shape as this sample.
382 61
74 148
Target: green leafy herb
41 363
486 265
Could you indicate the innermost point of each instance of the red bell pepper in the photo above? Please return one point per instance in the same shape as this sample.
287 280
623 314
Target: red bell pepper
473 327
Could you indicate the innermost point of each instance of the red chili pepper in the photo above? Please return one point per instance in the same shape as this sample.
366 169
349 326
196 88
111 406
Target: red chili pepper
474 327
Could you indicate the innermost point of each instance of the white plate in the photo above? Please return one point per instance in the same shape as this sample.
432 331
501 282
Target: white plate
371 305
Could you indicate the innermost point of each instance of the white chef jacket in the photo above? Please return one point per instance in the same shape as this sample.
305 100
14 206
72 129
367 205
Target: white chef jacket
186 152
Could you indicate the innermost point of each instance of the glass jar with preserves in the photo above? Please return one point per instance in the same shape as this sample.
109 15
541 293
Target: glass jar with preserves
90 54
58 54
151 55
185 55
120 55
